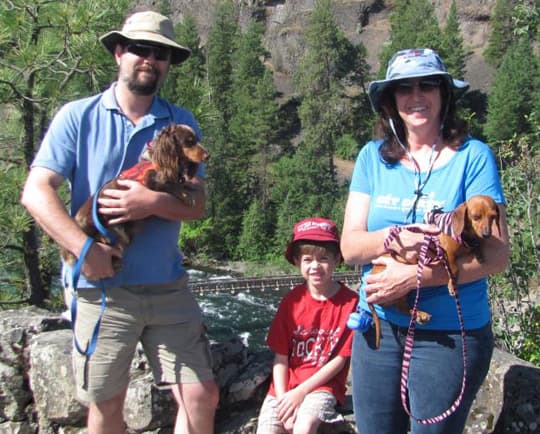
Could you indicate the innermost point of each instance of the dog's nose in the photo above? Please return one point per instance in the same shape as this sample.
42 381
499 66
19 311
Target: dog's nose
486 233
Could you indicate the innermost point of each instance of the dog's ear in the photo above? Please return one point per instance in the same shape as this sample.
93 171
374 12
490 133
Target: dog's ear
497 217
458 218
164 153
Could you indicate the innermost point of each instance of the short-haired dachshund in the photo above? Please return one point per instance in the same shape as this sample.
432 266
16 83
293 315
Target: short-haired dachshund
462 231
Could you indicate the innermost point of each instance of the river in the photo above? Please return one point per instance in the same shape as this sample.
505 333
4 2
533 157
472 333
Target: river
247 314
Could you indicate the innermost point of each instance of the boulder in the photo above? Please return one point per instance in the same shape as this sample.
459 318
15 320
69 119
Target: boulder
37 393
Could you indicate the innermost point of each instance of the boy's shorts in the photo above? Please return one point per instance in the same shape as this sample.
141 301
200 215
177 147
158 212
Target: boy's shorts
166 319
320 404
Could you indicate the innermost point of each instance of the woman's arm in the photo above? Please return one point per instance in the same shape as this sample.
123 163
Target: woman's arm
360 246
398 279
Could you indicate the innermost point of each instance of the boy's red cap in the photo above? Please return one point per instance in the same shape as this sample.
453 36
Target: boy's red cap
313 229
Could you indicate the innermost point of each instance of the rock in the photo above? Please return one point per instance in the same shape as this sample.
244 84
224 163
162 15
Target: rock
35 356
51 379
16 428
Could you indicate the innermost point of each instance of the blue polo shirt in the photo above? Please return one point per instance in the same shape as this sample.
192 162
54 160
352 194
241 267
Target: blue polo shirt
89 142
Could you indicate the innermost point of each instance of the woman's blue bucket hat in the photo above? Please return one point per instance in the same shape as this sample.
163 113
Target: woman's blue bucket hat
411 63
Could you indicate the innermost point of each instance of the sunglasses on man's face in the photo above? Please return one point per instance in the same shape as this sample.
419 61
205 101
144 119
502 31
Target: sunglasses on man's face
146 50
424 84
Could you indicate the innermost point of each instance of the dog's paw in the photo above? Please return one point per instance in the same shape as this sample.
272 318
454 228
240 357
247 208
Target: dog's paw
422 317
452 288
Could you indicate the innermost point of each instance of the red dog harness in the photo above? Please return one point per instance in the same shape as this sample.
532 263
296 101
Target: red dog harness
138 171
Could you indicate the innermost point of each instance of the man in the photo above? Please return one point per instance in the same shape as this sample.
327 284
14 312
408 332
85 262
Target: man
89 142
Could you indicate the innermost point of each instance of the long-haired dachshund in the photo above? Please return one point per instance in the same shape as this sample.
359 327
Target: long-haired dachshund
166 164
462 231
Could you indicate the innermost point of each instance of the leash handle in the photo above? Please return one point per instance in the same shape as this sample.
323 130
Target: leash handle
429 240
97 222
75 274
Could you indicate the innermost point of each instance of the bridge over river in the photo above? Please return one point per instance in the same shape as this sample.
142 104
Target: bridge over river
234 285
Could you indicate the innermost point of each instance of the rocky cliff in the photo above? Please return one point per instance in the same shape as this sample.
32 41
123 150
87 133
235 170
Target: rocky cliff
364 21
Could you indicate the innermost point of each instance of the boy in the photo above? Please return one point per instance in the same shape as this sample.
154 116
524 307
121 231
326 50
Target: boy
309 336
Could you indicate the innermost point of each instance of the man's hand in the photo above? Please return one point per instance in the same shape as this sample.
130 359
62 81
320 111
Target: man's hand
131 202
98 262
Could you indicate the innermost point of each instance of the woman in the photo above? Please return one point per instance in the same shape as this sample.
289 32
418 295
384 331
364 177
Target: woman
423 159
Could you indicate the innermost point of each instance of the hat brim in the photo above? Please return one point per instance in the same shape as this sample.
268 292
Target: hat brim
289 252
178 53
377 88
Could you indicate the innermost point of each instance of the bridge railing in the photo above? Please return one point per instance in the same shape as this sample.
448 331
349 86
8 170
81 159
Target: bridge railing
234 285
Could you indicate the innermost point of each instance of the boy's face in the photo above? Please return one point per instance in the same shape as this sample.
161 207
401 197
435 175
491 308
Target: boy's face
317 268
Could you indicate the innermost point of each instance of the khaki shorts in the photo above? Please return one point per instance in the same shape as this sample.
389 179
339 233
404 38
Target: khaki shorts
166 319
319 404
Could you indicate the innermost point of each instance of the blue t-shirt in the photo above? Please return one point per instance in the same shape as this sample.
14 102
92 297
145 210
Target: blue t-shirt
471 171
89 142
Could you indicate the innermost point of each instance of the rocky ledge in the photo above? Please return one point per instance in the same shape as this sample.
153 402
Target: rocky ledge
36 387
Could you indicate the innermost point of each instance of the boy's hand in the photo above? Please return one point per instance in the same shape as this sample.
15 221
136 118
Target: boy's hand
288 424
288 404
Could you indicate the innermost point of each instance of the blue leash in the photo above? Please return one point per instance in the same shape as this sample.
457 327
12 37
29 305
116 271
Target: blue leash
75 274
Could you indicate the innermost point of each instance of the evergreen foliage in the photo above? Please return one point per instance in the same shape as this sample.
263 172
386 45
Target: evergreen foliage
49 54
521 181
413 24
186 84
502 34
452 49
509 100
222 41
314 189
256 231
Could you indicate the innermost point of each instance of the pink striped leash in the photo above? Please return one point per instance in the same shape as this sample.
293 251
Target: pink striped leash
430 242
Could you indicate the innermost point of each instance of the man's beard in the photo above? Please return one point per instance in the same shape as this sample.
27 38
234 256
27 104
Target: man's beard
138 86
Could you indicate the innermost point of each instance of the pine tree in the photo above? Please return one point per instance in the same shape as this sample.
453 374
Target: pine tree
253 241
502 33
51 54
186 84
318 82
509 99
221 46
413 24
252 123
452 50
306 183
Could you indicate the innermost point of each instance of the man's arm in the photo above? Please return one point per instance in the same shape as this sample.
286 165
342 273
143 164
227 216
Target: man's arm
40 197
137 202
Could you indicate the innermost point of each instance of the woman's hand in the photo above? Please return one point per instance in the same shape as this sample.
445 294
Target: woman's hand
408 242
392 283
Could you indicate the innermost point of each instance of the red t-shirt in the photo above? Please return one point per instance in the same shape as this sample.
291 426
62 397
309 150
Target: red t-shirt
311 332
